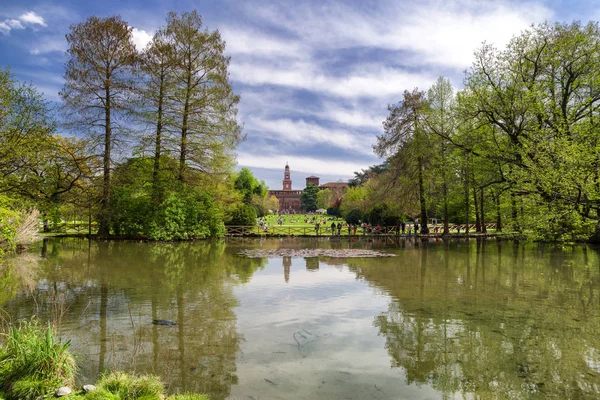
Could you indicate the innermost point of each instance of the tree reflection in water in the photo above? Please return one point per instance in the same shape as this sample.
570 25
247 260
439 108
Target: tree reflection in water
476 321
113 290
470 319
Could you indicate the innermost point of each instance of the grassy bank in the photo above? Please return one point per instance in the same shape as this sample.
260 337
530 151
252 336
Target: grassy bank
34 364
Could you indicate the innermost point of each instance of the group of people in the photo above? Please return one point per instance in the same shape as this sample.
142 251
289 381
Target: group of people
333 228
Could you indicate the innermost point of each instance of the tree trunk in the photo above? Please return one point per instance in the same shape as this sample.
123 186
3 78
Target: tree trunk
498 213
159 125
104 222
446 222
184 128
424 218
467 210
477 220
482 212
515 215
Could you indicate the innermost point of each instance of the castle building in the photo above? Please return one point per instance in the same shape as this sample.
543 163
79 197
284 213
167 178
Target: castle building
289 199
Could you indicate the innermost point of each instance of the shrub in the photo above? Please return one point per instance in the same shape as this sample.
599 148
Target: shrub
333 211
187 214
354 217
122 386
382 214
34 363
243 214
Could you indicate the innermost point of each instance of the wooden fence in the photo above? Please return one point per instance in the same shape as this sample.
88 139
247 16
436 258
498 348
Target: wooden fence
326 231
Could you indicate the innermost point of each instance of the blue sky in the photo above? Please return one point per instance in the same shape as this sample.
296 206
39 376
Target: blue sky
315 77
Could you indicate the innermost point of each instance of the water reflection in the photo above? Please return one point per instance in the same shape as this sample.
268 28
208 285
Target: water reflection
104 295
472 320
452 319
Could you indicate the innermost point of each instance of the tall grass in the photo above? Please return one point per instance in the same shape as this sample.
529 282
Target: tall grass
33 362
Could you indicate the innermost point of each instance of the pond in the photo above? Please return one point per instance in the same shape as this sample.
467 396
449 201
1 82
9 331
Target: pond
459 319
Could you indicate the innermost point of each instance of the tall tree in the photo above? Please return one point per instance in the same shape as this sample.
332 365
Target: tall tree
25 125
441 122
98 88
158 64
309 197
406 142
204 103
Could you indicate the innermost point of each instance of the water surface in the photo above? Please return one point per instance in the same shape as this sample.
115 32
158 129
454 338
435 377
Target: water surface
440 320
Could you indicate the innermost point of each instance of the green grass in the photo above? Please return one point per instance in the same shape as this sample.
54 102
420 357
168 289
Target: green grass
33 363
122 386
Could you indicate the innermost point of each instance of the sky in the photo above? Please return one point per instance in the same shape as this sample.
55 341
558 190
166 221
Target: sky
315 77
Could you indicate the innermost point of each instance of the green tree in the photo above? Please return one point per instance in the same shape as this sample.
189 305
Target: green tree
406 142
324 199
25 125
98 88
157 64
248 185
309 197
204 105
441 121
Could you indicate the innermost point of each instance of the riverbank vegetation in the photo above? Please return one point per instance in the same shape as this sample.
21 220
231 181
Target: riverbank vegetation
517 146
34 364
142 144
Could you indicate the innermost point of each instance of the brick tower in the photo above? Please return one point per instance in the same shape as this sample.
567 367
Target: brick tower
287 181
312 179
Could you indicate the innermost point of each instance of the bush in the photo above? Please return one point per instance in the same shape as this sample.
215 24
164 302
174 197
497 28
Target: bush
187 214
382 214
354 217
122 386
34 363
333 211
243 214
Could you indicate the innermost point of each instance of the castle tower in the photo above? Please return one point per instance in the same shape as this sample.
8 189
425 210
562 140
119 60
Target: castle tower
287 181
312 179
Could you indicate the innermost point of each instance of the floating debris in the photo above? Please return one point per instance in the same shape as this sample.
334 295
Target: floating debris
333 253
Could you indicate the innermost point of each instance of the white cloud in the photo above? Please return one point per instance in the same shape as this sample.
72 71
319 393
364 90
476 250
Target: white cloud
141 38
442 33
32 18
302 132
28 18
252 42
49 44
9 24
308 165
377 81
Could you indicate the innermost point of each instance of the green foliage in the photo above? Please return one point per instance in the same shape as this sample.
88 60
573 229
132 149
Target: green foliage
324 198
243 215
382 214
188 397
309 198
354 217
179 212
122 386
187 214
248 185
333 211
32 389
33 362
